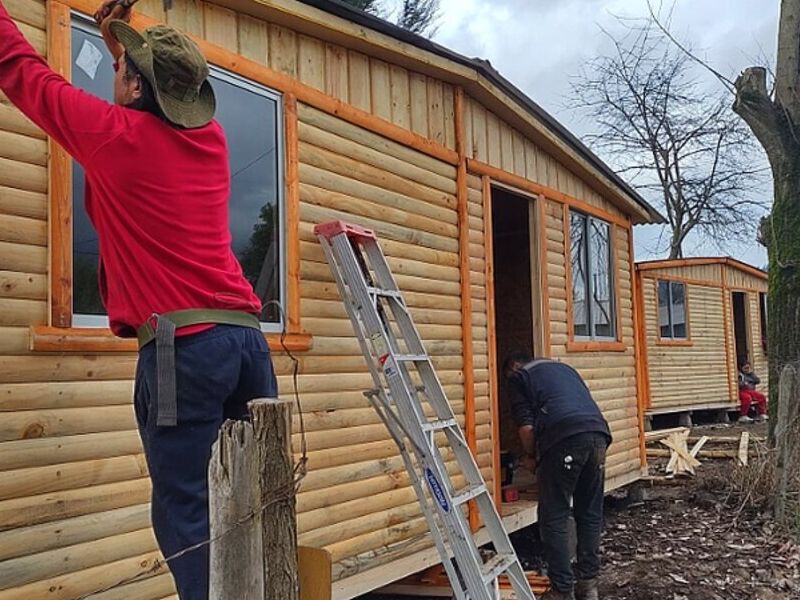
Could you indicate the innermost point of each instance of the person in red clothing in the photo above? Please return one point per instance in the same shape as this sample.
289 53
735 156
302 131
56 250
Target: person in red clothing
158 186
749 395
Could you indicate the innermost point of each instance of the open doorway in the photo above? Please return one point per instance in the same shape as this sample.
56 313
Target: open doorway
513 298
740 327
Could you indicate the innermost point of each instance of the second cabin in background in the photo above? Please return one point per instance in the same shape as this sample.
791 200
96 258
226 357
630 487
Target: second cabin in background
703 317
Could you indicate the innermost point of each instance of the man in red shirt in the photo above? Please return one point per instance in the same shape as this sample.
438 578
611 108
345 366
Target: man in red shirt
158 185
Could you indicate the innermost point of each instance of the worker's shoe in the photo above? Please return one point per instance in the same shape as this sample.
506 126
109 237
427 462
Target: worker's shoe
554 594
762 418
586 589
745 419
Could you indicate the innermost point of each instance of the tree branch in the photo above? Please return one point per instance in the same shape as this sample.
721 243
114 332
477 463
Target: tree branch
760 113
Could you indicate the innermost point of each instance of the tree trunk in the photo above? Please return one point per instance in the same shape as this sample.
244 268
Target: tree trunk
783 313
676 244
787 445
776 132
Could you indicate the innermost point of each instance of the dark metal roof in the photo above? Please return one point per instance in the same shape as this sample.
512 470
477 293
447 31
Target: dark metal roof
360 17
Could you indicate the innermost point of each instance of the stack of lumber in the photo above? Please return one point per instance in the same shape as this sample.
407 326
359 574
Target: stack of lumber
674 444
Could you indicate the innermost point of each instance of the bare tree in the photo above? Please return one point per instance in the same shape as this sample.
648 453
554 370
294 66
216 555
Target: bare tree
370 6
417 16
677 143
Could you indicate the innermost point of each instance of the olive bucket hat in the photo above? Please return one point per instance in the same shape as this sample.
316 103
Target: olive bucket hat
176 70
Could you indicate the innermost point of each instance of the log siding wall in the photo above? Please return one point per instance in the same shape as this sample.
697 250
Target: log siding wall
74 491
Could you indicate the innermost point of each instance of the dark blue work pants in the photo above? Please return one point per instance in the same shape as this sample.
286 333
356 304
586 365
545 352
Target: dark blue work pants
572 470
218 372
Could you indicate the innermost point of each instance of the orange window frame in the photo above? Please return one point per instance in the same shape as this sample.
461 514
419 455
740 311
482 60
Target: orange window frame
662 341
593 345
60 335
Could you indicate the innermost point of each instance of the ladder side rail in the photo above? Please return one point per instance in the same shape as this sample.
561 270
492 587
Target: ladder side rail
401 410
396 428
346 293
455 526
458 524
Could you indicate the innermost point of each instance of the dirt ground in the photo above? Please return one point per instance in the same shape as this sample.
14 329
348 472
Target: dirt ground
695 541
692 541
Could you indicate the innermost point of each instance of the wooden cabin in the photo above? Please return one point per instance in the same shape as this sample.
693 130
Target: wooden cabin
503 230
703 317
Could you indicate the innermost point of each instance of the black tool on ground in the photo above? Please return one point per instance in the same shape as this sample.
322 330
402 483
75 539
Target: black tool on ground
508 464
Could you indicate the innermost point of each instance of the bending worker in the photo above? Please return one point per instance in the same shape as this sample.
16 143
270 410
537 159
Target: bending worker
566 437
158 185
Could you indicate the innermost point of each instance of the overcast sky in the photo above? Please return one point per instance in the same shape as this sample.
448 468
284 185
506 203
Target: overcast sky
539 44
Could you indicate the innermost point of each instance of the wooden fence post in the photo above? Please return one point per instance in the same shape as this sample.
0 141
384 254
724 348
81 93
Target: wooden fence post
251 496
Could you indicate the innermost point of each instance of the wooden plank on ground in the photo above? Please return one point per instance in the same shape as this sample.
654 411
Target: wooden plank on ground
698 446
744 444
654 436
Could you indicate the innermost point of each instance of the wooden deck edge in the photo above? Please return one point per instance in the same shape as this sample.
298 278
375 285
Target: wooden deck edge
362 583
692 407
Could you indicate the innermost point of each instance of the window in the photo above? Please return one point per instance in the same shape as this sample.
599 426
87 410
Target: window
762 305
593 310
672 310
251 117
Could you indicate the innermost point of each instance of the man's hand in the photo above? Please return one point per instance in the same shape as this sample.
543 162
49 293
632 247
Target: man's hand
114 9
108 11
529 463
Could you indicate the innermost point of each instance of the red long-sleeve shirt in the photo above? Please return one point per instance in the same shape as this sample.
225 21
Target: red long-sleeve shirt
157 195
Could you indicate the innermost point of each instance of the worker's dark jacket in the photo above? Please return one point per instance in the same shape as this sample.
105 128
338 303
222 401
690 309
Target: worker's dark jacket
553 398
748 381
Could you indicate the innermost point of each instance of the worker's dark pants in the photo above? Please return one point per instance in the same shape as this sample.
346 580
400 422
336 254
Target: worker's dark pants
218 372
573 469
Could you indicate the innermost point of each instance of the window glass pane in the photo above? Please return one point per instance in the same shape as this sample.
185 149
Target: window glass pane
602 305
663 309
250 120
580 314
250 123
679 329
85 249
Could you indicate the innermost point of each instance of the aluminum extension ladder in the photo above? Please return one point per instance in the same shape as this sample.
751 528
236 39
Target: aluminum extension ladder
397 361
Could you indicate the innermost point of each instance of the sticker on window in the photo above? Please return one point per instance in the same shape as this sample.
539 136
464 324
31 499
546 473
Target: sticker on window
89 58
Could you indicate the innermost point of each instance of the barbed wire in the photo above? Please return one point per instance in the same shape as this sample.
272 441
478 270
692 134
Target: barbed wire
282 494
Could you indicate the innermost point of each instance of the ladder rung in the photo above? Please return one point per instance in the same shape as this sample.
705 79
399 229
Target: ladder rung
385 293
468 494
411 357
496 565
439 425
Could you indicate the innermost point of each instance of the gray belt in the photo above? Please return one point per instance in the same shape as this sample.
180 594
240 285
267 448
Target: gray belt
164 335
